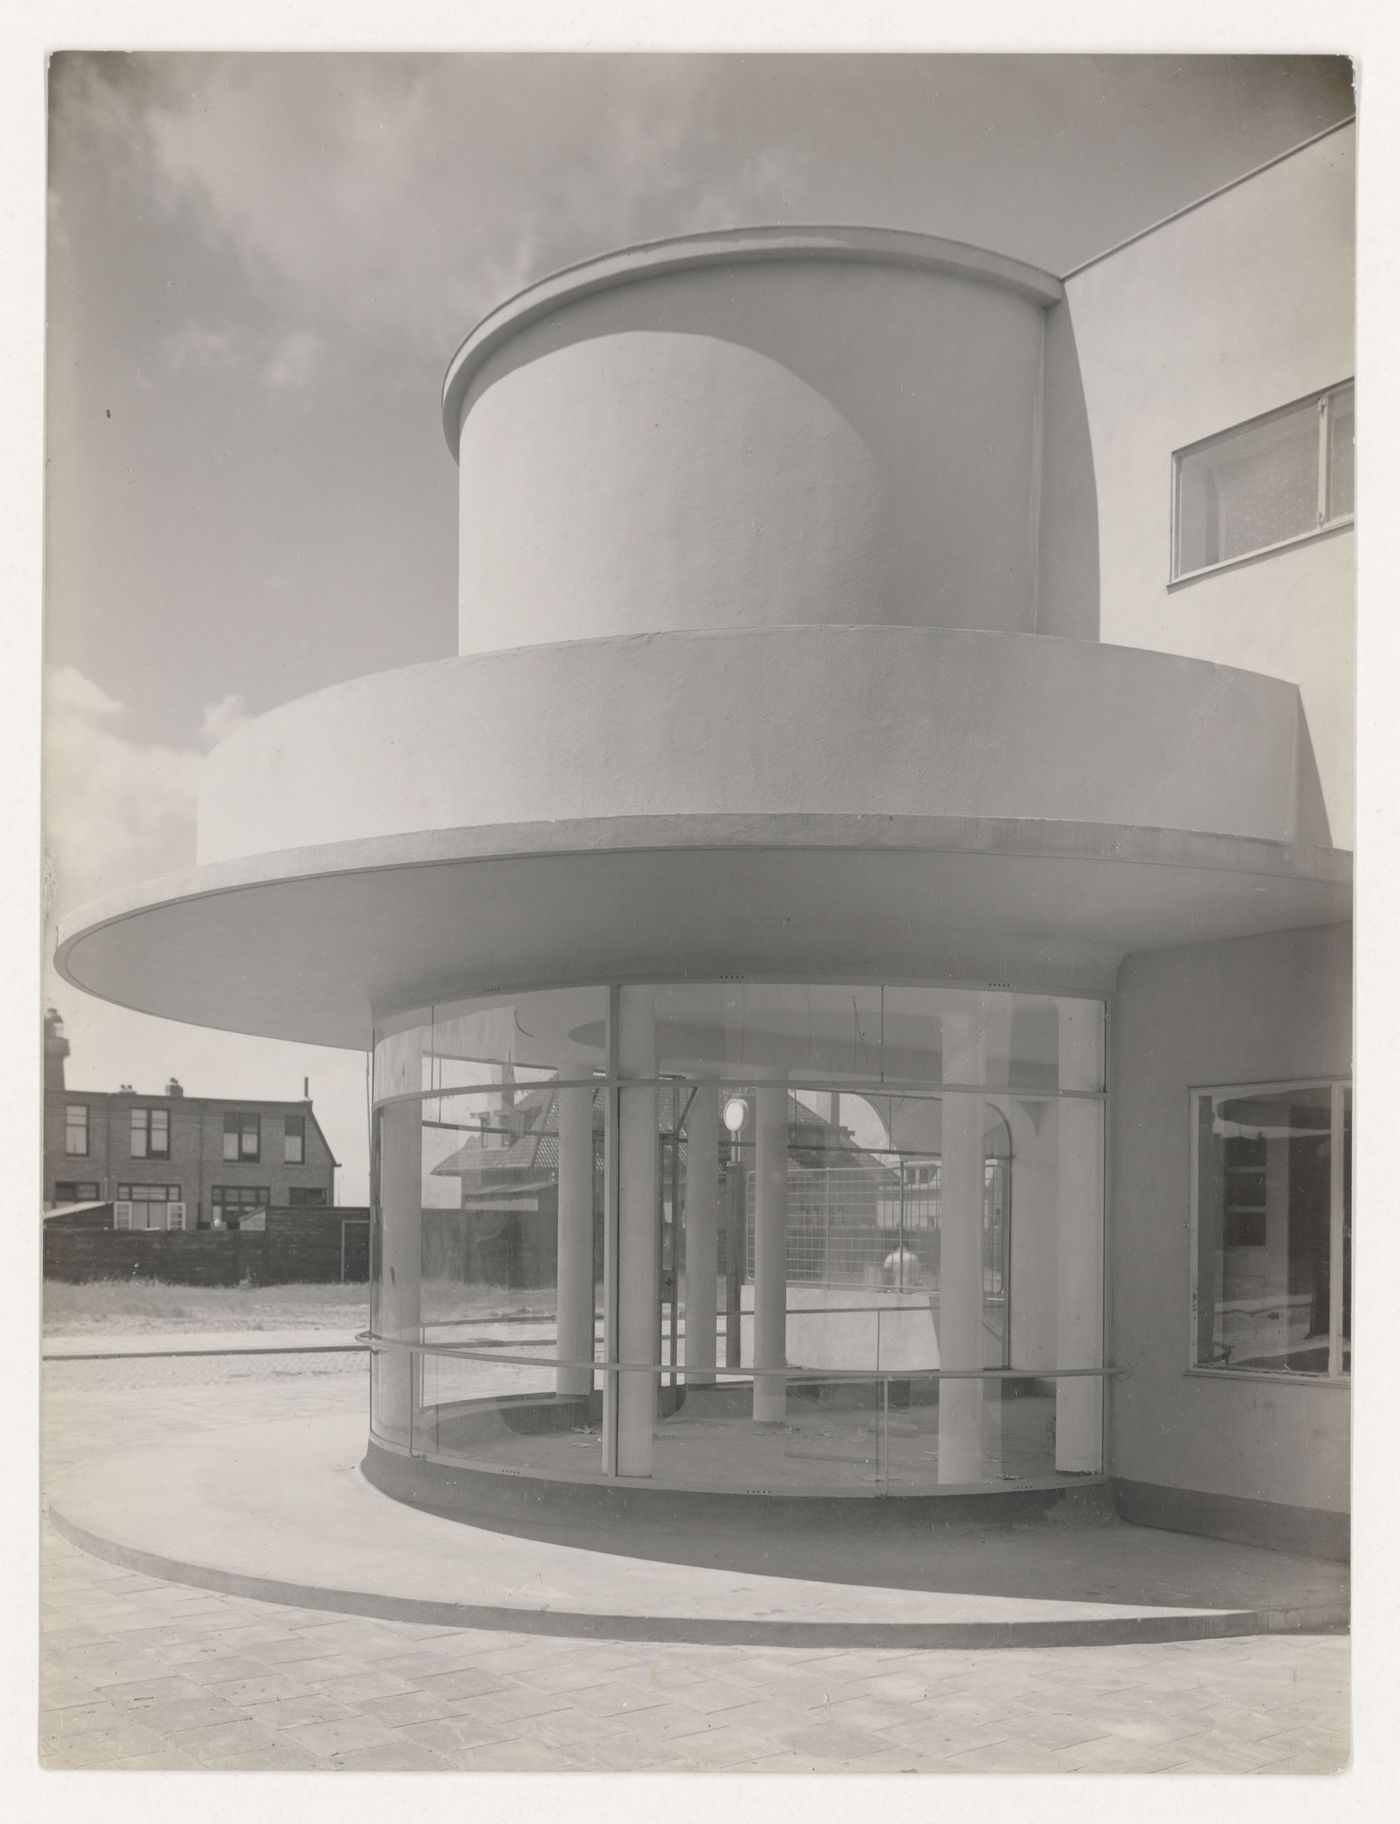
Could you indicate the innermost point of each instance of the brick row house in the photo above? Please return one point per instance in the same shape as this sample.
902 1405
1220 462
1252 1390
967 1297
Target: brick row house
175 1161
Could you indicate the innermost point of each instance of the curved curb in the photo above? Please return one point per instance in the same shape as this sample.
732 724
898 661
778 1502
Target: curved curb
692 1631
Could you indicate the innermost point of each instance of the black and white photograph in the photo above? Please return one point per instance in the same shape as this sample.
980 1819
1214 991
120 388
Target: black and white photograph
699 788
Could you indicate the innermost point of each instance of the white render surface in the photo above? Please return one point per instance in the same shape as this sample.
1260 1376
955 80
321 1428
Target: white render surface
1235 309
1273 1010
725 447
886 722
241 946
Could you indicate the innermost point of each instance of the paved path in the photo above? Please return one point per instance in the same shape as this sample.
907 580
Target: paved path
142 1673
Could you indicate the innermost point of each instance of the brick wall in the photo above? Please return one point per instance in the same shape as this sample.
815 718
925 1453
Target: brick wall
195 1162
296 1247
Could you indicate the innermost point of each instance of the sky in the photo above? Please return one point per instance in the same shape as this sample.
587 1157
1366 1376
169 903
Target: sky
259 268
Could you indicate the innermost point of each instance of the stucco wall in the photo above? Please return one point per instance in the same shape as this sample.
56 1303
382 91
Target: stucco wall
780 442
1239 307
878 721
1268 1009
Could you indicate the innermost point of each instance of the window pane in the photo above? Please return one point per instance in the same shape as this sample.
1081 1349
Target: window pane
230 1145
75 1135
1263 1229
494 1212
1249 489
823 1031
138 1133
464 1044
1341 453
160 1130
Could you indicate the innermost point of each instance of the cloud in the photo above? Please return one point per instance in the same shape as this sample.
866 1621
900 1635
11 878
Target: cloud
196 346
223 718
399 196
295 361
117 809
284 363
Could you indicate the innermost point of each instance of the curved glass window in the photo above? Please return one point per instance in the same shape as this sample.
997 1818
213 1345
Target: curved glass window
747 1236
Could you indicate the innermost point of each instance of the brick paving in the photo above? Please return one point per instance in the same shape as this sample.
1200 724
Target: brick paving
140 1673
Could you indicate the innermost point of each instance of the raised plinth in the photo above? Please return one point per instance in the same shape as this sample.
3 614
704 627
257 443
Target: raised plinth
281 1511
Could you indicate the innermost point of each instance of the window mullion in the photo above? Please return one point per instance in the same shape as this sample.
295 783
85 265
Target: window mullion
1323 480
1335 1232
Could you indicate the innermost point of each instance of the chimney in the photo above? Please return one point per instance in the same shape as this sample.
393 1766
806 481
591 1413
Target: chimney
55 1050
173 1088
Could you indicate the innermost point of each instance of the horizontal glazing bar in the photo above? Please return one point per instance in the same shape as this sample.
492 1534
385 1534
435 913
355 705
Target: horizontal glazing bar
739 1079
545 1317
456 1351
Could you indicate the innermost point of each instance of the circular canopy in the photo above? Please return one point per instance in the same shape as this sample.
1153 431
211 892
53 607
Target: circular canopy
309 944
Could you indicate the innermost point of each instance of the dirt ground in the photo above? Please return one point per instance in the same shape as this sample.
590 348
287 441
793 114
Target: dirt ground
140 1307
148 1307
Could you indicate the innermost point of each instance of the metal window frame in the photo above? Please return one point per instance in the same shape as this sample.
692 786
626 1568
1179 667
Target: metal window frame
1324 525
1337 1089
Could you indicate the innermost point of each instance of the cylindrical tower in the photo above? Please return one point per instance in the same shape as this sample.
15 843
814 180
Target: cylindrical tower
770 429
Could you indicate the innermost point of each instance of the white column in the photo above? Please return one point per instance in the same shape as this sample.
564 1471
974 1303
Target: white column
399 1311
770 1253
960 1402
701 1233
1034 1220
637 1262
1079 1328
574 1296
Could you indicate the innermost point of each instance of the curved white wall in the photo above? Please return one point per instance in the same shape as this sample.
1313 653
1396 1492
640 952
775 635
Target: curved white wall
880 722
773 443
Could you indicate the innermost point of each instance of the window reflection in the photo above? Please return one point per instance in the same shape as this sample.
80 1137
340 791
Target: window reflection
813 1233
1273 1226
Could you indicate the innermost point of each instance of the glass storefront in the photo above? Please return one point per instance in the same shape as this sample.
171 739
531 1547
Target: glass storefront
745 1236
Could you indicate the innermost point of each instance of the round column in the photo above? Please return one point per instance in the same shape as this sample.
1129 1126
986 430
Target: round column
1079 1329
701 1234
574 1298
770 1254
637 1224
960 1289
399 1310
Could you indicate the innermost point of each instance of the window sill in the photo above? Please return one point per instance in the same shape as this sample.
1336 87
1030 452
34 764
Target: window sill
1279 1379
1254 557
